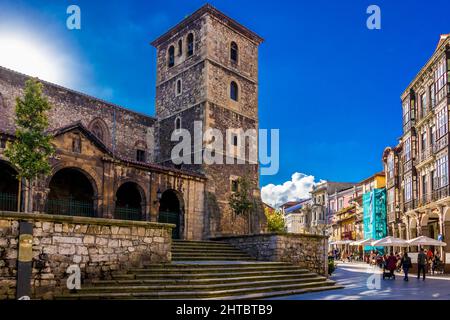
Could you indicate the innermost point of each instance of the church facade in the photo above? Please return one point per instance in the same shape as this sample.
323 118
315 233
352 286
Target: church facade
115 163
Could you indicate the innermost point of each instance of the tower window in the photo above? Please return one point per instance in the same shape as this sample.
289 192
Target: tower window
178 123
140 155
234 91
180 47
178 87
234 185
190 44
171 61
234 52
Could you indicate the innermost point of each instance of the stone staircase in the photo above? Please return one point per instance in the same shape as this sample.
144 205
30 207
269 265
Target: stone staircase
206 270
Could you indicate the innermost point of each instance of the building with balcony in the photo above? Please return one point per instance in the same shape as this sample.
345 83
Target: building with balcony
417 170
323 195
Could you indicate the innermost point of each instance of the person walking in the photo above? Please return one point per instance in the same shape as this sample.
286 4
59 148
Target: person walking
406 264
421 264
391 264
435 263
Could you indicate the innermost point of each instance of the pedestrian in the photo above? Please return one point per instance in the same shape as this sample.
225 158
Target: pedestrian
435 264
421 263
406 264
391 263
429 254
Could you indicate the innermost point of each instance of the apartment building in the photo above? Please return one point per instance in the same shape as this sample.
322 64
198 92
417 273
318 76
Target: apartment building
417 171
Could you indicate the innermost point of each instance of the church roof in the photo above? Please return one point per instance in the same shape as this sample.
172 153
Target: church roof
21 77
92 137
207 8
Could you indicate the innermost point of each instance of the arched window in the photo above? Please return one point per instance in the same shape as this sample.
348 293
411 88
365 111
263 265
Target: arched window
171 61
178 87
177 123
180 47
234 91
234 52
98 131
190 44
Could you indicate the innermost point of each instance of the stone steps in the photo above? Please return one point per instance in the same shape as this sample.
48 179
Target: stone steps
201 275
235 268
263 290
207 251
159 279
207 286
219 271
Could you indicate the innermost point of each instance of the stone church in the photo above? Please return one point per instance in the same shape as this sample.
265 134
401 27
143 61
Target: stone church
115 163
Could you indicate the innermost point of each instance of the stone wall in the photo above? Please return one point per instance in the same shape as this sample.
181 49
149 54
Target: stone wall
307 251
98 246
132 130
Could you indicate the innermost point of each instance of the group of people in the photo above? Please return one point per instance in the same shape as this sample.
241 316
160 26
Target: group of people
393 262
344 256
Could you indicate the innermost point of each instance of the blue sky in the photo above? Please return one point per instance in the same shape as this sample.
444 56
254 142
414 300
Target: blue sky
329 84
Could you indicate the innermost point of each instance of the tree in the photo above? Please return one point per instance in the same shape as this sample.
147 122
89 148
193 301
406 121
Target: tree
275 220
31 149
241 201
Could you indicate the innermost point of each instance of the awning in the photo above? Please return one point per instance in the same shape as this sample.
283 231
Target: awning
390 242
365 242
426 241
341 242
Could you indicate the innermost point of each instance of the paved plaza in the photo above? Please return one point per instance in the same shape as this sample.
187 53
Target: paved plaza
355 276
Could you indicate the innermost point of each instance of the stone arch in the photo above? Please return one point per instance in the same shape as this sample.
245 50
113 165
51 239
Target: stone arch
446 214
99 128
429 224
130 201
171 210
72 191
9 187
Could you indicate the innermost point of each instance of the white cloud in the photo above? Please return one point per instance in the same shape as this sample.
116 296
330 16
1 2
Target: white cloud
296 189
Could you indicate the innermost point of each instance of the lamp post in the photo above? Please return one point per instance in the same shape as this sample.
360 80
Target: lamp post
158 196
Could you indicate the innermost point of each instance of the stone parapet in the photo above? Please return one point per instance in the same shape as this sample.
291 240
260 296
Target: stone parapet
307 251
98 246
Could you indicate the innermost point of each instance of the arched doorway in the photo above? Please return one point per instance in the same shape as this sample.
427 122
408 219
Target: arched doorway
130 202
9 187
430 227
71 193
170 211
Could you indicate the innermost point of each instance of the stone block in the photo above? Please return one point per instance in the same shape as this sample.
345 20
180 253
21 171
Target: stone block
72 240
67 249
88 239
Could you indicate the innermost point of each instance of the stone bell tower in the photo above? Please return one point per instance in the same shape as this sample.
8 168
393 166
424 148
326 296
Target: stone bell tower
207 73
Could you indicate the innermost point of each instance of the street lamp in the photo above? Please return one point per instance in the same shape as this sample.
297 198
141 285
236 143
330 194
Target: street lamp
158 195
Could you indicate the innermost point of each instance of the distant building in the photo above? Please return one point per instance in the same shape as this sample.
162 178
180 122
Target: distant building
320 207
298 217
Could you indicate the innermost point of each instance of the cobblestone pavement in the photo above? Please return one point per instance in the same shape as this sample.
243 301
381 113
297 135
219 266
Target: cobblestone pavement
363 282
